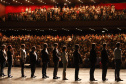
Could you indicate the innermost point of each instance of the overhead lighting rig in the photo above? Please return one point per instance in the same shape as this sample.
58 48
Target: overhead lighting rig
5 2
80 1
17 1
54 1
41 1
68 1
29 1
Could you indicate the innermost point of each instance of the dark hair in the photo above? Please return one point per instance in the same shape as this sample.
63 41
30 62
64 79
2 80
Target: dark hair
104 44
76 46
9 47
117 44
63 49
22 45
55 44
93 45
33 48
45 45
3 46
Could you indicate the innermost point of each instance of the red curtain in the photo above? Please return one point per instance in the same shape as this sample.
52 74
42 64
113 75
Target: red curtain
17 9
118 6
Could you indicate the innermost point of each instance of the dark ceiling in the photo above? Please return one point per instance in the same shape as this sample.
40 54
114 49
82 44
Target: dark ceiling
41 2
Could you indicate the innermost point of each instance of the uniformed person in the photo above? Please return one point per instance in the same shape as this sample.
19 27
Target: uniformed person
33 60
104 61
118 57
10 54
56 60
45 60
3 59
77 61
92 62
23 59
64 61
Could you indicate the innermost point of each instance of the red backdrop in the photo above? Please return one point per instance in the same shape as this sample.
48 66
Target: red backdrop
16 9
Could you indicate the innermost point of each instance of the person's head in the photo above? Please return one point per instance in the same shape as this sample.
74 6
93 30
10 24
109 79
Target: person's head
45 45
93 45
9 47
23 46
118 44
104 45
77 46
64 48
33 48
3 47
56 45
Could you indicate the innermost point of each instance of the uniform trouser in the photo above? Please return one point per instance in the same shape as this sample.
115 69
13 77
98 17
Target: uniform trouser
64 70
117 68
22 67
104 71
92 69
2 68
56 65
76 71
44 67
9 68
33 66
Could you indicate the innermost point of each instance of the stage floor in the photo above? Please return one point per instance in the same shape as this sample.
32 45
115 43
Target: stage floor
84 75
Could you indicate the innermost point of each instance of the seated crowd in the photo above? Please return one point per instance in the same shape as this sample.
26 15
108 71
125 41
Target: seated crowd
81 13
85 42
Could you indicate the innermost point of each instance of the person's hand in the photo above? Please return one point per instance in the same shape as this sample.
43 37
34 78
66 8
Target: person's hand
59 59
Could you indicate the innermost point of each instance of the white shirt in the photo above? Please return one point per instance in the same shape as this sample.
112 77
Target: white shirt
64 57
23 54
4 54
35 55
46 51
117 53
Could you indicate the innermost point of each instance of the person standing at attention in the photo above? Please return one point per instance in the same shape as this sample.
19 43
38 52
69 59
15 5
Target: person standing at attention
118 57
104 61
64 61
77 61
92 62
45 60
23 59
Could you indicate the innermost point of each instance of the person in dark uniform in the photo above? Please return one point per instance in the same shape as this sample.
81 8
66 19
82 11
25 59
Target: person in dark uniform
118 58
33 60
45 60
3 59
23 58
77 61
56 60
10 53
104 61
92 62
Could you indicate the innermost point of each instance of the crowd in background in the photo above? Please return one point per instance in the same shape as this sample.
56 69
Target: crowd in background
81 13
84 41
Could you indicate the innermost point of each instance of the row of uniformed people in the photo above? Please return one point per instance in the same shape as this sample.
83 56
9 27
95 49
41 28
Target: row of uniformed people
56 58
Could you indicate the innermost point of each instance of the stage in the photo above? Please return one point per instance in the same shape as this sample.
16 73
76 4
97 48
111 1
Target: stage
84 75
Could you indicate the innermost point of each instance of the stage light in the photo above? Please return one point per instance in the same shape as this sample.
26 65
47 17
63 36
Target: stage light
103 31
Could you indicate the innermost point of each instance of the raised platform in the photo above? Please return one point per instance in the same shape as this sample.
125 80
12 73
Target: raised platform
83 74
